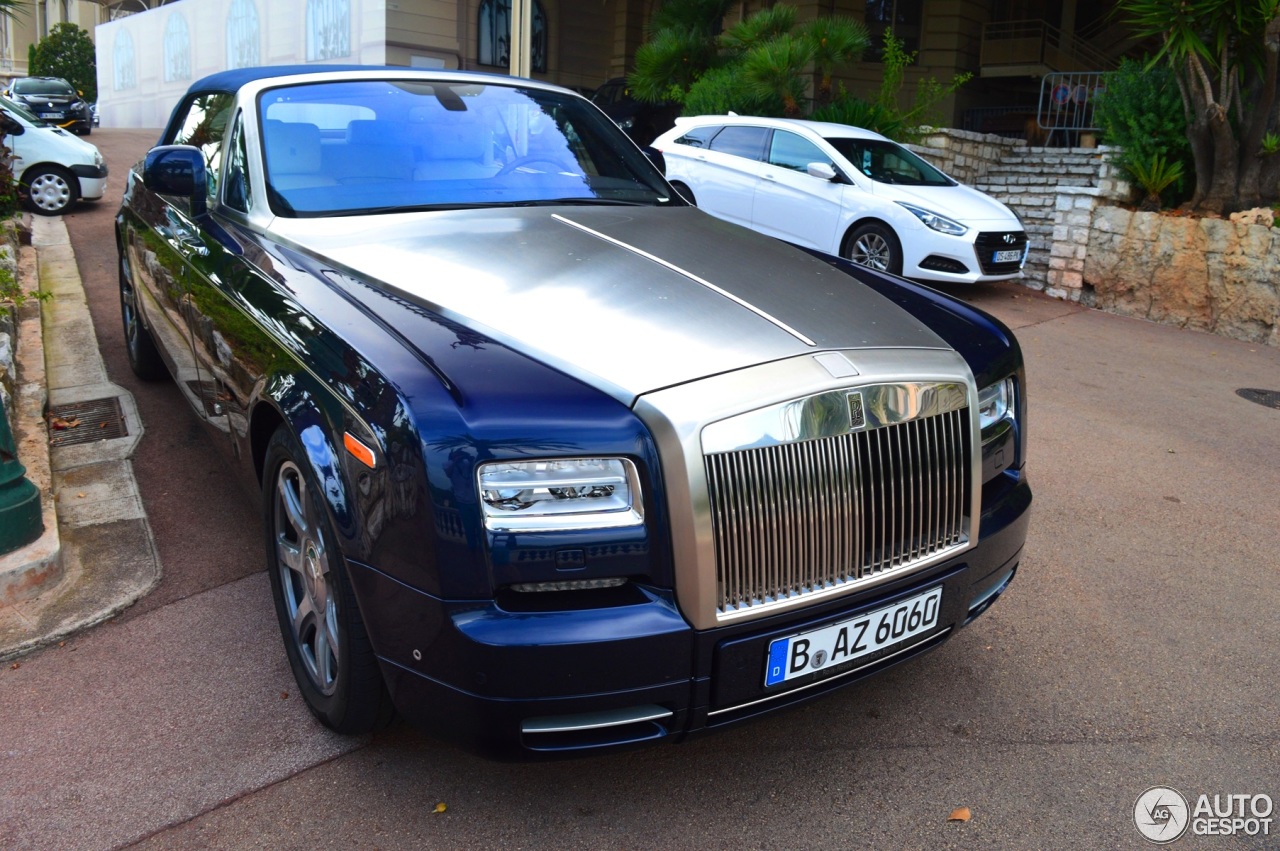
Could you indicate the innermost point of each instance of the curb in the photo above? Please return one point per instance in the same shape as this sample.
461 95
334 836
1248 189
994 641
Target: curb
97 555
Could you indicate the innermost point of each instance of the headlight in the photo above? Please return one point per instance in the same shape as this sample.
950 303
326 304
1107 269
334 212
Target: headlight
560 494
995 409
97 159
936 221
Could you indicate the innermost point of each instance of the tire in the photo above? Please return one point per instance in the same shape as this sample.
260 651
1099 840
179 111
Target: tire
144 357
49 190
875 246
324 637
685 192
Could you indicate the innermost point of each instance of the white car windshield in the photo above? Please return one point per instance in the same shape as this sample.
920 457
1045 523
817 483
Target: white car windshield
887 162
366 146
32 86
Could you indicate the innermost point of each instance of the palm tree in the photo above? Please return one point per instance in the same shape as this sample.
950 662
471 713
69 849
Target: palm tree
776 67
760 28
837 41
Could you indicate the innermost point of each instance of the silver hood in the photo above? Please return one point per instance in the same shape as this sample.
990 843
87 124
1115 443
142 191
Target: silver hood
630 299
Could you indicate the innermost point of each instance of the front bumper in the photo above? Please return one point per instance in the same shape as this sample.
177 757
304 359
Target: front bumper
563 682
93 180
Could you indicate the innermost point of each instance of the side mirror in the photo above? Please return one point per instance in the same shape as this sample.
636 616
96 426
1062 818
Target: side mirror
178 170
822 171
9 126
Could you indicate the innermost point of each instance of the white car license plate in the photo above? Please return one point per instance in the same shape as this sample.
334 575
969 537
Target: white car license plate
837 643
1012 256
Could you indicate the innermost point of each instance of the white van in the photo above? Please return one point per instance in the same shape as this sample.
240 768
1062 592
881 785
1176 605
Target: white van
53 167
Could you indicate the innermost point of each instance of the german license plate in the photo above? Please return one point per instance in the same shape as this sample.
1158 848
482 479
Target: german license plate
55 115
1012 256
839 642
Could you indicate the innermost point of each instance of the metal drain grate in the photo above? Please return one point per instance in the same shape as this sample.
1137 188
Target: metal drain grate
1266 398
86 422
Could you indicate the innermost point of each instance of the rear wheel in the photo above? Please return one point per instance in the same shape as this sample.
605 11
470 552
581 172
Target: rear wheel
49 190
324 636
876 246
144 358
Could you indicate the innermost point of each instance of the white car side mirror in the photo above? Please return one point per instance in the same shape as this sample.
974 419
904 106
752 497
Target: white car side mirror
823 171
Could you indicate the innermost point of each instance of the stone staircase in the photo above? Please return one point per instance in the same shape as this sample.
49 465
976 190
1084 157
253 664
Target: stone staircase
1029 180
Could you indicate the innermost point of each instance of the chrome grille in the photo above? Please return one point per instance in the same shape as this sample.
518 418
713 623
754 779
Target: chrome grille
804 517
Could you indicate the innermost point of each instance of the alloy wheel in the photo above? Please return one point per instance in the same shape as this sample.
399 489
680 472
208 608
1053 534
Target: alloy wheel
310 597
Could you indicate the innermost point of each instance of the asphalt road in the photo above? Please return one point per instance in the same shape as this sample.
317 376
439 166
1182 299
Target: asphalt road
1136 648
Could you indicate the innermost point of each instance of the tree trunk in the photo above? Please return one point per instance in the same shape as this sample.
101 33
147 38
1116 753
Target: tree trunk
1221 197
1198 135
1250 190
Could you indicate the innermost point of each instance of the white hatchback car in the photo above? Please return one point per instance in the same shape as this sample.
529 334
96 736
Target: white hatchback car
53 167
846 191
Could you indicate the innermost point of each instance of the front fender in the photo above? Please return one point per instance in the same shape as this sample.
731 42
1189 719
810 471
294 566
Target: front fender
306 411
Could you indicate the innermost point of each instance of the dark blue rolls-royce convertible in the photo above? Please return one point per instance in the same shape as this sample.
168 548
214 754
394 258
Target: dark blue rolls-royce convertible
550 461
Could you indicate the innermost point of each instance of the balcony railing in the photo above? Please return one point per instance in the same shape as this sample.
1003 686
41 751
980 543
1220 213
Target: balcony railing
1012 48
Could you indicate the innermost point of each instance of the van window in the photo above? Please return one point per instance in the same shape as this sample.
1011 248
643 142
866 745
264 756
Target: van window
745 142
790 150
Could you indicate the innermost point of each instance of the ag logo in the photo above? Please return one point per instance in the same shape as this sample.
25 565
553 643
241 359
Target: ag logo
1161 814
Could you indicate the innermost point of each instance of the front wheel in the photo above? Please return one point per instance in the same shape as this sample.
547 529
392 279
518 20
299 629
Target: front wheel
324 636
876 246
49 190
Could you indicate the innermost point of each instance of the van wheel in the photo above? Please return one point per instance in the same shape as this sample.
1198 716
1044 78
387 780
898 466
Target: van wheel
876 246
48 190
685 192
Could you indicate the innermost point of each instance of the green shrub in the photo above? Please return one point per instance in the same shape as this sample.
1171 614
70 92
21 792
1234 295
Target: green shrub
724 90
1141 113
846 109
1154 176
8 185
883 115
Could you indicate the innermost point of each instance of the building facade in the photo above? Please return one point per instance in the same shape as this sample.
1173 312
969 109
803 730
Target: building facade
33 21
147 59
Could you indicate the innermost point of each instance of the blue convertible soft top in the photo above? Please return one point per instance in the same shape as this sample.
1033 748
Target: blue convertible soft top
232 80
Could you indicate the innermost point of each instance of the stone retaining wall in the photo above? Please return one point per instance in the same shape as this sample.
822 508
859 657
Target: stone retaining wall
1209 274
967 157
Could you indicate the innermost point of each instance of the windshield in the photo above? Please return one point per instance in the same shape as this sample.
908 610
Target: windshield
887 162
33 86
352 147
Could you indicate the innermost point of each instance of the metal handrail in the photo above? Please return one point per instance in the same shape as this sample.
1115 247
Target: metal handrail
1047 45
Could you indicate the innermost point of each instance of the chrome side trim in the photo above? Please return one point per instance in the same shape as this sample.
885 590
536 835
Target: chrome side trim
931 637
686 273
594 720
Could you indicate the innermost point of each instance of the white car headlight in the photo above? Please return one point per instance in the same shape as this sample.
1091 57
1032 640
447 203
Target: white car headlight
936 221
560 494
995 409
